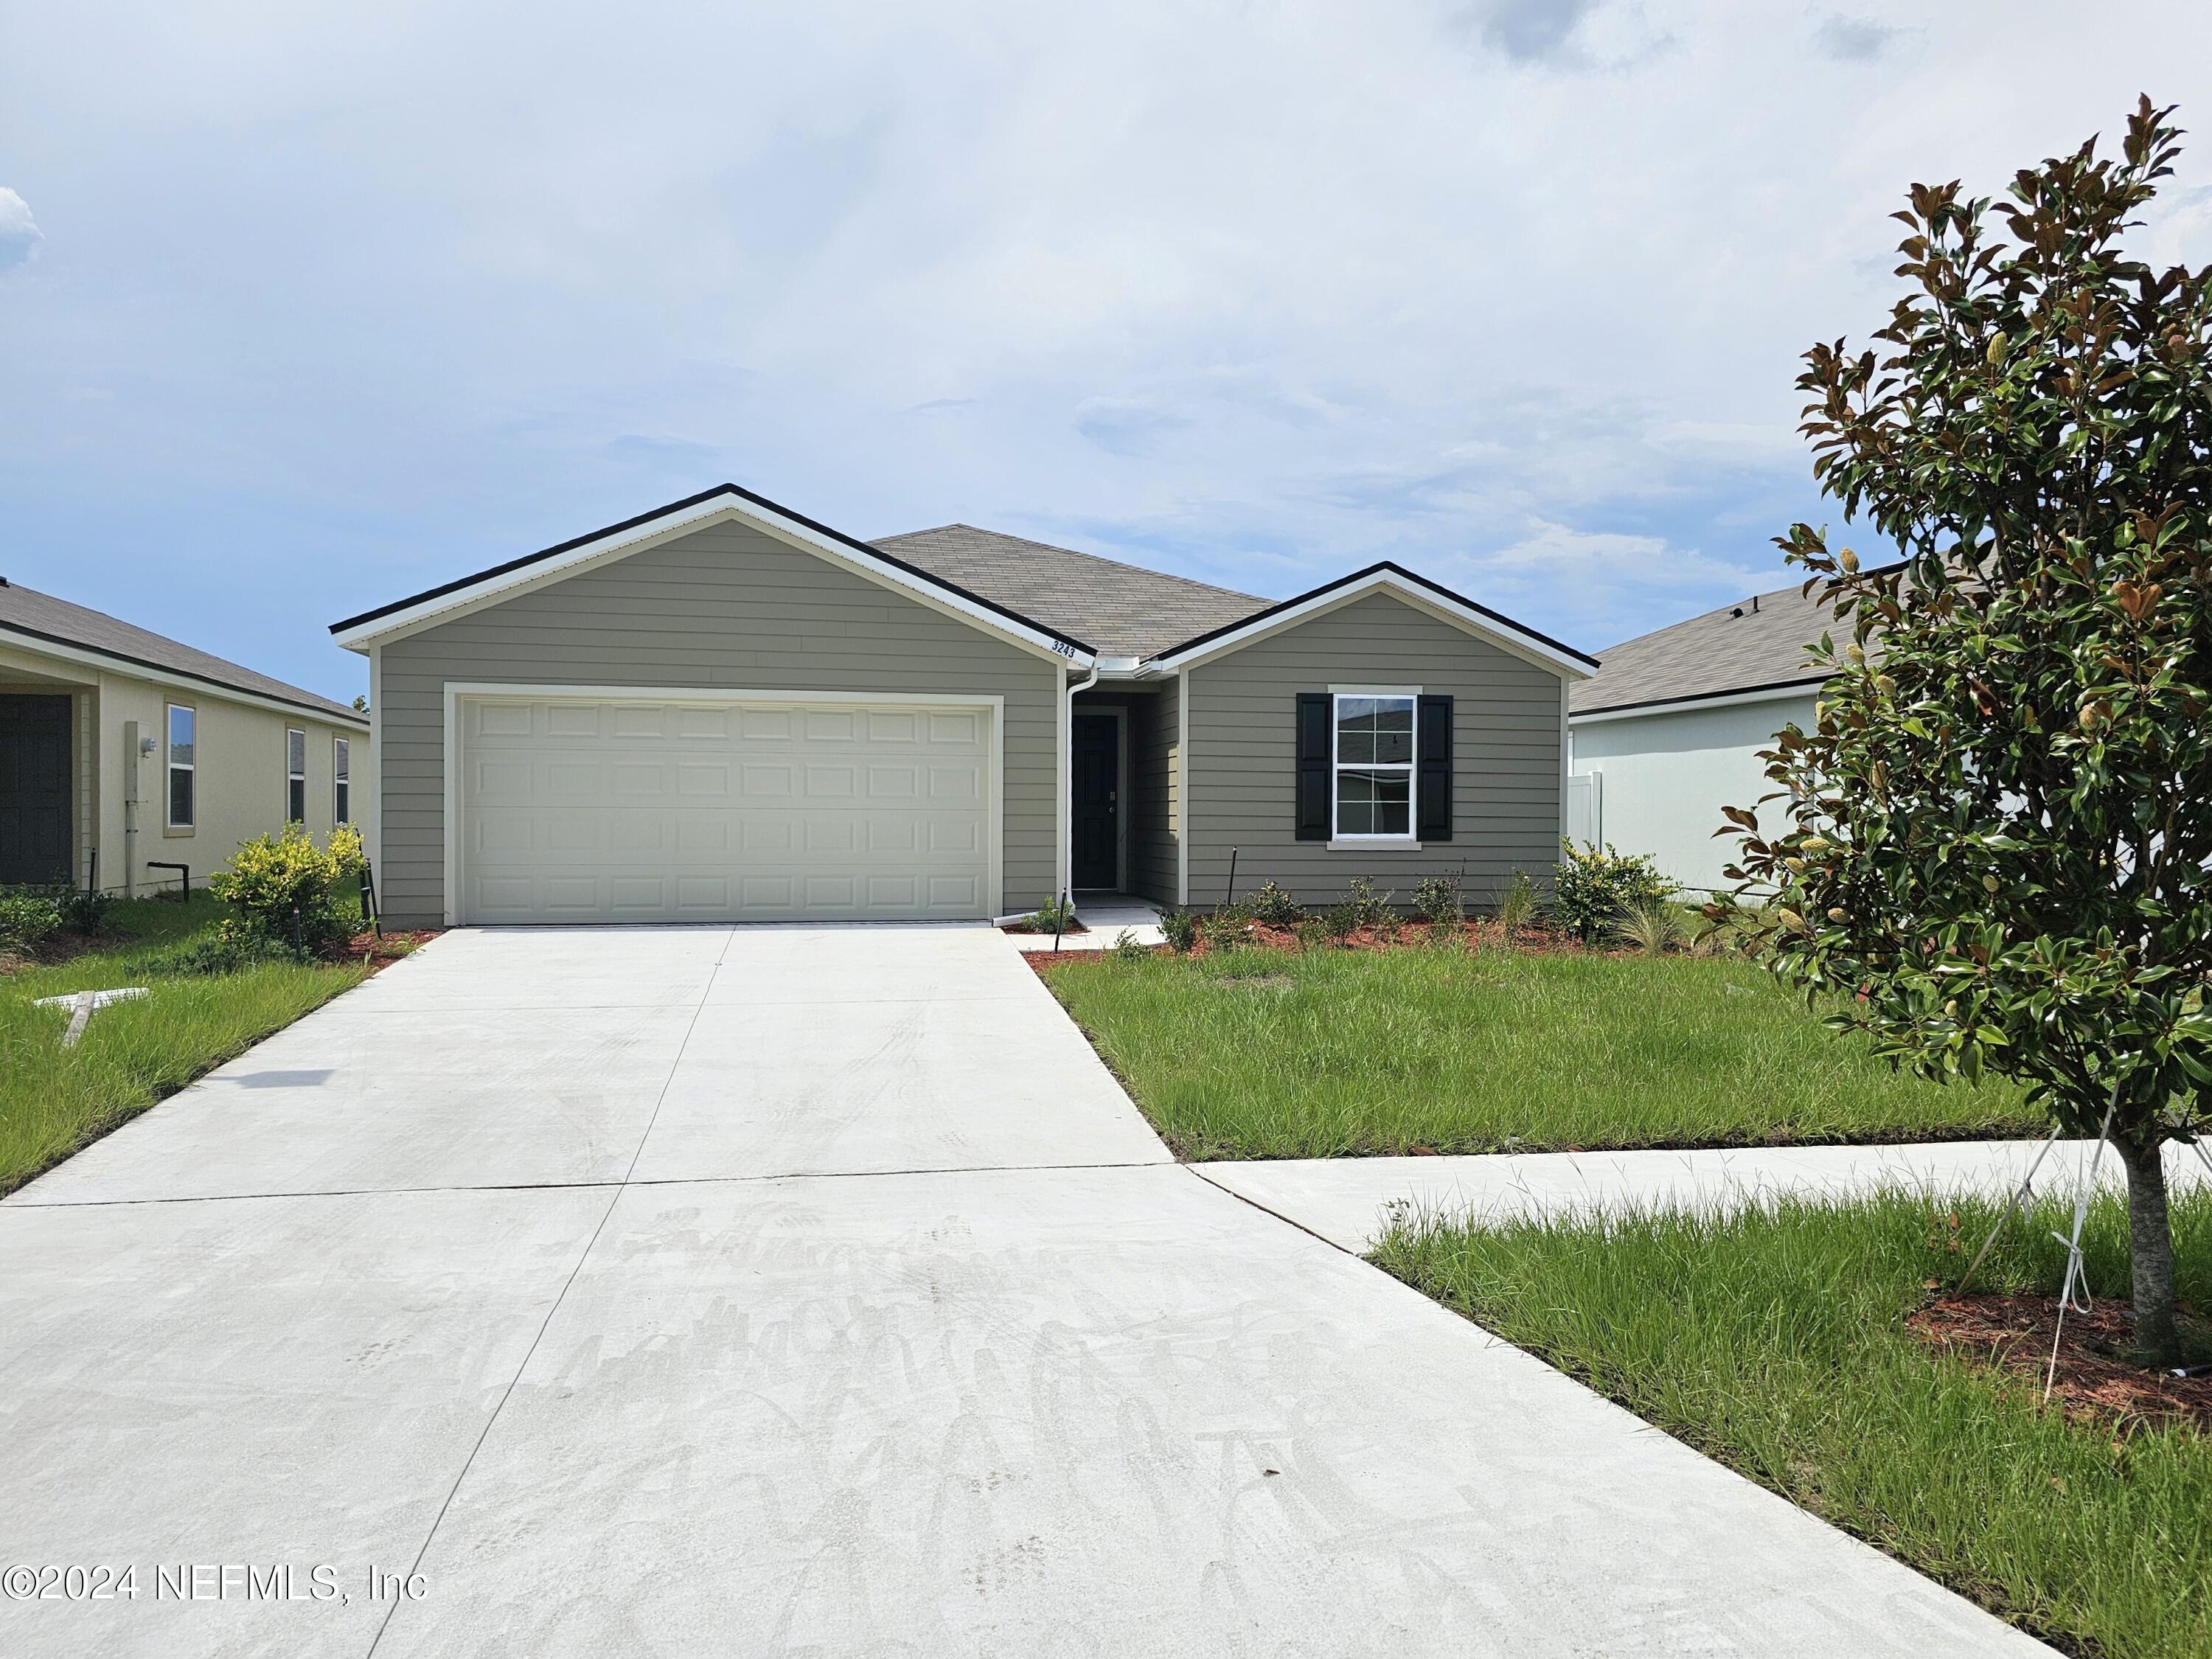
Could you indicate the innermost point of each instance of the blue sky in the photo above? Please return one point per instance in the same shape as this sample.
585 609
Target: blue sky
304 309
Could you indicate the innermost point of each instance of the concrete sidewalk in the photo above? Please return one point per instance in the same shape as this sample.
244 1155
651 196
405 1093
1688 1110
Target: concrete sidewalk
1351 1201
802 1290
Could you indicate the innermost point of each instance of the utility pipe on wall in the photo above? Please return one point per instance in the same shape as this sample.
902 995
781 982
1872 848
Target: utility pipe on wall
1067 882
131 809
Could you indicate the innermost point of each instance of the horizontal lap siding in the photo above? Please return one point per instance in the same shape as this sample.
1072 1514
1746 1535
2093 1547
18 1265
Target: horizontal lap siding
1507 729
725 607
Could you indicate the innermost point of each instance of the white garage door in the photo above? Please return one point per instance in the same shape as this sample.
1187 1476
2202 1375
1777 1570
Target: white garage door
630 810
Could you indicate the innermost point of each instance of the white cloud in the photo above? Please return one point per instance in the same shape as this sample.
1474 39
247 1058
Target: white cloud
20 235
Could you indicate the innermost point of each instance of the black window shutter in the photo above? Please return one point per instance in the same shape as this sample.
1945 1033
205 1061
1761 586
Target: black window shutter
1433 789
1313 810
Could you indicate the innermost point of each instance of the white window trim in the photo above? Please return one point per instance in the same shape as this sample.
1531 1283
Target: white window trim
1340 841
171 765
299 777
340 779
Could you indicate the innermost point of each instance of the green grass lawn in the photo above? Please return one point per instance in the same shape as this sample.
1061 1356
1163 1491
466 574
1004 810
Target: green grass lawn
1776 1343
1333 1053
53 1101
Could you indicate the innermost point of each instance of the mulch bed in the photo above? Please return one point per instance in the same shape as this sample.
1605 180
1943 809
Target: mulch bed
2096 1379
380 951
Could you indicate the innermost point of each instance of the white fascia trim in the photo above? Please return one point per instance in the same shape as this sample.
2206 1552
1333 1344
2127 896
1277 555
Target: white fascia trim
994 804
124 668
1687 705
1384 582
635 539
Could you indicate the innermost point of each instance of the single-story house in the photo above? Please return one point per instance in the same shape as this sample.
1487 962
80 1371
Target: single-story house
121 749
1669 731
723 710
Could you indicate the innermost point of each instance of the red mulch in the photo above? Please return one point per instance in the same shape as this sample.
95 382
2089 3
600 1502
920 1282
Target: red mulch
381 950
2096 1377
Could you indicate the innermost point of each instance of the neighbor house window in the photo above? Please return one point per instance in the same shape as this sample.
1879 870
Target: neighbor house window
295 776
1374 766
181 722
340 782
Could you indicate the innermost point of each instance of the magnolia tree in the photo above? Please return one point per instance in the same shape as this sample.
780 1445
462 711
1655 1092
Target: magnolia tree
2000 824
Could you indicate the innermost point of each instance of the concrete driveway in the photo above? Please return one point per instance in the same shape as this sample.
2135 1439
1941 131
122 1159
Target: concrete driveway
800 1291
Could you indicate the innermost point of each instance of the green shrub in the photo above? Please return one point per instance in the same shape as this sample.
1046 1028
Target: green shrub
1371 907
1312 933
1597 887
1224 930
1274 906
286 889
1052 916
229 947
1126 947
1437 900
1339 922
1180 927
83 909
1517 909
28 919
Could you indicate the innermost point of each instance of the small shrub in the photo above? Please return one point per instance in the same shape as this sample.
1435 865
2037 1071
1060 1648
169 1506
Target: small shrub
1652 927
1180 927
28 920
1224 930
1312 933
83 909
1127 948
1052 916
1371 907
1598 886
1437 900
1517 909
287 888
1339 922
1274 906
230 946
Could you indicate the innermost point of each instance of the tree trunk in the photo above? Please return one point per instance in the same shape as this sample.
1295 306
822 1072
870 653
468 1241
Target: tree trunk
2150 1242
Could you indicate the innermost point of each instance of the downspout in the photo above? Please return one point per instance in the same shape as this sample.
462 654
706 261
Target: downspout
1067 784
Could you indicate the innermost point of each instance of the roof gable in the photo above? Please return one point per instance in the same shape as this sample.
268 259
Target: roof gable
1398 583
1753 646
619 541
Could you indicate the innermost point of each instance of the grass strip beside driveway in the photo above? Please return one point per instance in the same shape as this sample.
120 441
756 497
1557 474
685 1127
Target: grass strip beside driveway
1256 1054
54 1101
1774 1342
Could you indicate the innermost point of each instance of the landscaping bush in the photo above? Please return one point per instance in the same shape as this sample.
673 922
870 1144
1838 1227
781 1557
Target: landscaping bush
1274 906
1180 927
1052 916
286 889
1224 930
229 947
1437 900
1598 886
1653 927
28 919
1338 922
1312 933
83 911
1370 906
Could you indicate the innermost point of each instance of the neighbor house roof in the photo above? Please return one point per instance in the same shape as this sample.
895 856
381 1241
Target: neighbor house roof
26 613
1123 610
1757 644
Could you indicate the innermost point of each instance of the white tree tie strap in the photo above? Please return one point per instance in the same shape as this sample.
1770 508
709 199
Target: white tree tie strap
2077 1280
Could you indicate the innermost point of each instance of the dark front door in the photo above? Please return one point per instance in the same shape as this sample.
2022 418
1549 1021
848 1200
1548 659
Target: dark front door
34 788
1097 829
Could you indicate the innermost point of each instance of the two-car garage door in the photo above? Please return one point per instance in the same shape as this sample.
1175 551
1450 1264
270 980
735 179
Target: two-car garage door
639 808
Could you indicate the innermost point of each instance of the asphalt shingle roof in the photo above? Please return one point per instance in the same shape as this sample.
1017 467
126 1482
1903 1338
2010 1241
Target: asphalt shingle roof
1756 643
25 611
1121 610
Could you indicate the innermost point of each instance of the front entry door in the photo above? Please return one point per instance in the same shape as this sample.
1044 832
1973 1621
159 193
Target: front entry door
1097 826
34 788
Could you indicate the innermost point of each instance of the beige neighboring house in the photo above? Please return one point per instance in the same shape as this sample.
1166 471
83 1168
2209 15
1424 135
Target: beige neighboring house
120 749
721 710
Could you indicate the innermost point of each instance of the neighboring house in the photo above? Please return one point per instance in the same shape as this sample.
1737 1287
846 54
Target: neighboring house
120 748
721 710
1669 732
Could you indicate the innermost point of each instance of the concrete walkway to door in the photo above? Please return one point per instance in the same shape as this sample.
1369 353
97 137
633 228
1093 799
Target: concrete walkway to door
802 1290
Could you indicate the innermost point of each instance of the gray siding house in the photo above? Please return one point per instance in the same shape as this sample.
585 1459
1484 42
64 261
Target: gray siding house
722 710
